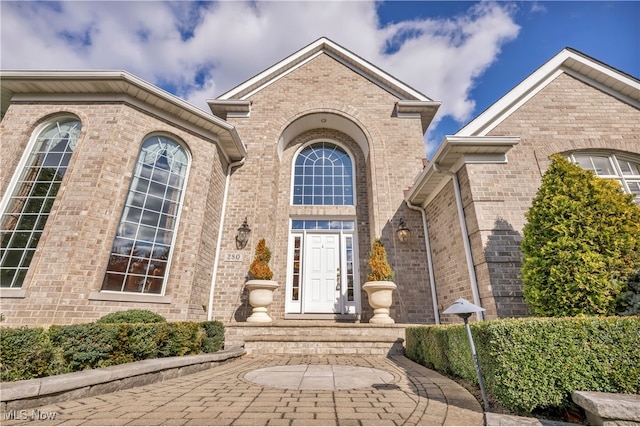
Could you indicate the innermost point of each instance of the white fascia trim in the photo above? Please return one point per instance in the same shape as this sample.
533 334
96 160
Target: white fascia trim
229 108
120 98
419 182
504 142
504 107
380 75
478 159
607 89
538 80
275 78
320 46
435 192
102 77
271 70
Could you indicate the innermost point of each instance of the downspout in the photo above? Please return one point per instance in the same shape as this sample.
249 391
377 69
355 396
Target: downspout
219 242
427 245
465 236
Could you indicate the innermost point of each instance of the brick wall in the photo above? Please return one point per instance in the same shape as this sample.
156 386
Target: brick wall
260 189
449 261
74 249
566 115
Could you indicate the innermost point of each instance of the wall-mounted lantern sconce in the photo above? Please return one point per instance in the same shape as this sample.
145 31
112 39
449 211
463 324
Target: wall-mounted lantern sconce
463 308
403 232
243 235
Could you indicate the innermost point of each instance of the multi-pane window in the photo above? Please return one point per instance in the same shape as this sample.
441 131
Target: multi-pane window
141 248
621 168
350 271
323 175
297 280
30 203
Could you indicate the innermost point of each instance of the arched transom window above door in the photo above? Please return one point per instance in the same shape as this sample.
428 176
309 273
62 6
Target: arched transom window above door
323 175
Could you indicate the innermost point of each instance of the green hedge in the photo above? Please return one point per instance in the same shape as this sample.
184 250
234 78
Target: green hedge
132 316
536 363
36 352
25 353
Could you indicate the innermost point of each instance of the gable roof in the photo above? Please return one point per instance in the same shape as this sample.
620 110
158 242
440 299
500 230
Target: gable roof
339 53
411 101
24 85
473 144
570 61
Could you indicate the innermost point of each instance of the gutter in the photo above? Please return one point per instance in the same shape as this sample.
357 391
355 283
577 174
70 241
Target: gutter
216 261
465 236
427 244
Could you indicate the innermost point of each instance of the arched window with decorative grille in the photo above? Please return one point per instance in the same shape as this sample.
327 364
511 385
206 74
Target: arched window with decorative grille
323 175
26 211
142 246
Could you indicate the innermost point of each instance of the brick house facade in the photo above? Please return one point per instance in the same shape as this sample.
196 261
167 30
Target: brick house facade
317 154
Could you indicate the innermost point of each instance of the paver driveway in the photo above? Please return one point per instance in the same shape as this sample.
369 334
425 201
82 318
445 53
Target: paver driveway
392 391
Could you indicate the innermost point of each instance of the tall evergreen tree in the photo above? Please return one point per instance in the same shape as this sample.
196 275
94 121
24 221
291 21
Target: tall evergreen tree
581 243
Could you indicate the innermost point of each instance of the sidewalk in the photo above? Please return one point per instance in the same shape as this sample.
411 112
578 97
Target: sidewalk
278 390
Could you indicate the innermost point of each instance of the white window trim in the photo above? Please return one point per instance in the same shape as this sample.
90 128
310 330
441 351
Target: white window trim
107 293
342 147
613 158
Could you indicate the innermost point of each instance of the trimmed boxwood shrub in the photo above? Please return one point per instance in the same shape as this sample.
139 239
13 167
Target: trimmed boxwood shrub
25 353
531 364
132 316
36 352
86 346
181 338
214 336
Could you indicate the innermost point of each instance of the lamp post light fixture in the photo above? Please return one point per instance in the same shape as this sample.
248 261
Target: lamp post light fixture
243 235
403 232
464 309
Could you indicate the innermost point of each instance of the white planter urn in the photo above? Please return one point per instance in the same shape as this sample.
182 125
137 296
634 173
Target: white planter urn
380 299
260 298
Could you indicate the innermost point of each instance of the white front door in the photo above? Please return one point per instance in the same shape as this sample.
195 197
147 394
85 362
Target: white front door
322 273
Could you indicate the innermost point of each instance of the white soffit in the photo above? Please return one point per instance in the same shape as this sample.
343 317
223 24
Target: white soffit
451 155
590 71
324 45
69 86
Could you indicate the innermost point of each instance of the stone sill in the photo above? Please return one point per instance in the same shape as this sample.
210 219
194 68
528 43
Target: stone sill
122 297
13 293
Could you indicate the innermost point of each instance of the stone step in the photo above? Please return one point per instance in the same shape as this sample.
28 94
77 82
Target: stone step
316 338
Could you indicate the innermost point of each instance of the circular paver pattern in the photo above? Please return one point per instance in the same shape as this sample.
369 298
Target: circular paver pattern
319 377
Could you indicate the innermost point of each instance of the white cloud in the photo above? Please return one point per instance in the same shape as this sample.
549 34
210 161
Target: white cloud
199 51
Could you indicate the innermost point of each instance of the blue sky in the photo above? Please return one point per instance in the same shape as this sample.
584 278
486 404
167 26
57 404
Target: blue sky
465 54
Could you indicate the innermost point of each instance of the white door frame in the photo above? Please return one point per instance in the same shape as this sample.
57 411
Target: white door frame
348 262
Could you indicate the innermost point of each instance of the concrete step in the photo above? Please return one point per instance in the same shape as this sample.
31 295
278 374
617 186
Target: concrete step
316 337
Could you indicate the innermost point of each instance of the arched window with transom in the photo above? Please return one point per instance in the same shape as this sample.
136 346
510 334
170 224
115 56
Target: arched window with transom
142 247
27 210
323 175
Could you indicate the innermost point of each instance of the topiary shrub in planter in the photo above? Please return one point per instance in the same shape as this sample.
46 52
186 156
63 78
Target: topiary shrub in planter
379 287
132 316
260 285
